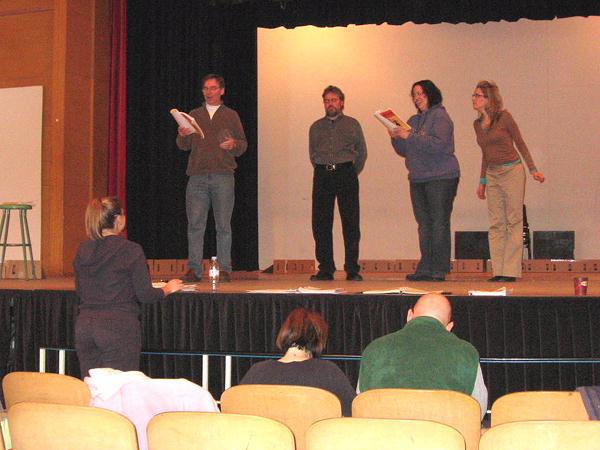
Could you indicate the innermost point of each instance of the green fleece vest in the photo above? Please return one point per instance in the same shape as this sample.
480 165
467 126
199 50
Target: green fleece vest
422 355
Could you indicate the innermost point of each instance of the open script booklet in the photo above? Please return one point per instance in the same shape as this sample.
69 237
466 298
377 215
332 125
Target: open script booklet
186 121
403 291
390 119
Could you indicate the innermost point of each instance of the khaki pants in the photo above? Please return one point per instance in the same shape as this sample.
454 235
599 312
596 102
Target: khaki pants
505 196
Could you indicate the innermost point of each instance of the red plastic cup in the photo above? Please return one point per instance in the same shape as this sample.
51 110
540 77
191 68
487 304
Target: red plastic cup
581 284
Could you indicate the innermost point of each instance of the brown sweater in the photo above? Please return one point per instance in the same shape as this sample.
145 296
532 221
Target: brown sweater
497 143
206 156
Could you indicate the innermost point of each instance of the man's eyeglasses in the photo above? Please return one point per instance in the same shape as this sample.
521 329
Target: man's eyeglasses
211 88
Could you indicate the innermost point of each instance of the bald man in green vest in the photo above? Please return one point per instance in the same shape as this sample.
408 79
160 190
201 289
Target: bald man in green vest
424 355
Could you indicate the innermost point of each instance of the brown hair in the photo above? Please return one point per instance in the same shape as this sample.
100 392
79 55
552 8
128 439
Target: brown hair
100 215
335 91
495 104
305 329
213 76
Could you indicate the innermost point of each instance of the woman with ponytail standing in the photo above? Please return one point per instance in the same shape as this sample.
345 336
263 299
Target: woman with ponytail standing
111 280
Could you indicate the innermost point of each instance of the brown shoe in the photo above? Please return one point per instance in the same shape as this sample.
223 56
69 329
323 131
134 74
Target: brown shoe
225 277
190 277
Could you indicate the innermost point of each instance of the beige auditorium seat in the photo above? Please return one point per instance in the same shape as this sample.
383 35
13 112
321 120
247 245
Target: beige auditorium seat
460 411
47 426
538 405
351 433
44 388
216 431
543 435
298 407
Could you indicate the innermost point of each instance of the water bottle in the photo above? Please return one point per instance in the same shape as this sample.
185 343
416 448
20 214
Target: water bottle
213 273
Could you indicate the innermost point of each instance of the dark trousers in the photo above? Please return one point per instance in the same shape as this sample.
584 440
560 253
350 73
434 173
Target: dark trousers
328 185
432 203
106 339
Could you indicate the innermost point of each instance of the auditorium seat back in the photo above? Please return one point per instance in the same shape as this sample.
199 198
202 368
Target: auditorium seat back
44 388
351 433
538 405
542 435
298 407
48 426
454 409
216 431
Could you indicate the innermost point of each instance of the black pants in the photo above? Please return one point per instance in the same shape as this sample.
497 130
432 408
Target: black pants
432 204
341 183
107 339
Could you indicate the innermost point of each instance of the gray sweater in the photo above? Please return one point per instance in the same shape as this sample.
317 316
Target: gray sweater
429 150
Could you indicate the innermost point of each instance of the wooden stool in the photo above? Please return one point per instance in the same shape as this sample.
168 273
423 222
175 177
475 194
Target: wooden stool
25 243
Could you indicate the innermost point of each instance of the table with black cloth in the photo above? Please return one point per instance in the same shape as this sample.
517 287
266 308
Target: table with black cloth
499 327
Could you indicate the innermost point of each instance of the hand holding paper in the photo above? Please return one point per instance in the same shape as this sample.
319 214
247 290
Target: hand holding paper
187 122
390 119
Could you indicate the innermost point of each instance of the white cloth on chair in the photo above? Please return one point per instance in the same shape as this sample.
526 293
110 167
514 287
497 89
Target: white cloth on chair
139 398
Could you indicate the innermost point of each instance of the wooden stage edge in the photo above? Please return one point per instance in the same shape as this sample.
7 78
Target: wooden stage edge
530 285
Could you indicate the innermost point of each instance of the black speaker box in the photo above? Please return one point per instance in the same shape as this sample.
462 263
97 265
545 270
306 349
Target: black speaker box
553 245
471 245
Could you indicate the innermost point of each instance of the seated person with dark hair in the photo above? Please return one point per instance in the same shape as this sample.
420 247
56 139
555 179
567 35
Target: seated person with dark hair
302 338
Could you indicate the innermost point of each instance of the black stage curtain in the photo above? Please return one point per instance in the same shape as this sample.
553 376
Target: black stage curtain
170 47
512 327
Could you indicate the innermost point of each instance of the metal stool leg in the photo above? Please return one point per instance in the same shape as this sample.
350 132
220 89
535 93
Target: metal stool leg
25 243
27 238
4 233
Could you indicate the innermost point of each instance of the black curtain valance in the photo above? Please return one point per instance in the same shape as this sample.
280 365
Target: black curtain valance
330 13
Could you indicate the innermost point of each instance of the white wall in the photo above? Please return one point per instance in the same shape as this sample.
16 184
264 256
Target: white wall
21 161
548 73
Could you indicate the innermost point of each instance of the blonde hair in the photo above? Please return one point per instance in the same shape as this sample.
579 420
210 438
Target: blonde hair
100 215
495 104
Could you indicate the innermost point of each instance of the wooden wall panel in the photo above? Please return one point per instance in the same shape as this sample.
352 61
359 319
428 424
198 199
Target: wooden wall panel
63 45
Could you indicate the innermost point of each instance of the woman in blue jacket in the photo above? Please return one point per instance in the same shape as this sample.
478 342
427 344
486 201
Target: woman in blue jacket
433 173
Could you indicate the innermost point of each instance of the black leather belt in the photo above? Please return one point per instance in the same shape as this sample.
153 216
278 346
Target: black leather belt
336 166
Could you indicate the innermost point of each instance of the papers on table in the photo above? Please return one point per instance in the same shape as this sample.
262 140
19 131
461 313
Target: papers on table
299 290
497 292
185 288
402 290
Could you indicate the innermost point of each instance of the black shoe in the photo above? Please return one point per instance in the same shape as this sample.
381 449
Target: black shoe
438 278
190 277
419 277
503 279
354 276
322 276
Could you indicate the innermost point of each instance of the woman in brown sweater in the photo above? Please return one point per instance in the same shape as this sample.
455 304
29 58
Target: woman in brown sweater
503 177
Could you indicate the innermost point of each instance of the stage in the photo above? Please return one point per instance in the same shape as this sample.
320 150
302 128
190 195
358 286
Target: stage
552 284
538 337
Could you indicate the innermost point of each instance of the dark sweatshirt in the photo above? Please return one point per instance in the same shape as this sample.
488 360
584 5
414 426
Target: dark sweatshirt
111 275
313 372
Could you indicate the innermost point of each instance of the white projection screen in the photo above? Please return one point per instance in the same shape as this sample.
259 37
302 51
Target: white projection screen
21 161
549 76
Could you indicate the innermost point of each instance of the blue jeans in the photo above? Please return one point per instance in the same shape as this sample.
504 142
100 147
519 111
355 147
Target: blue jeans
203 191
432 203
